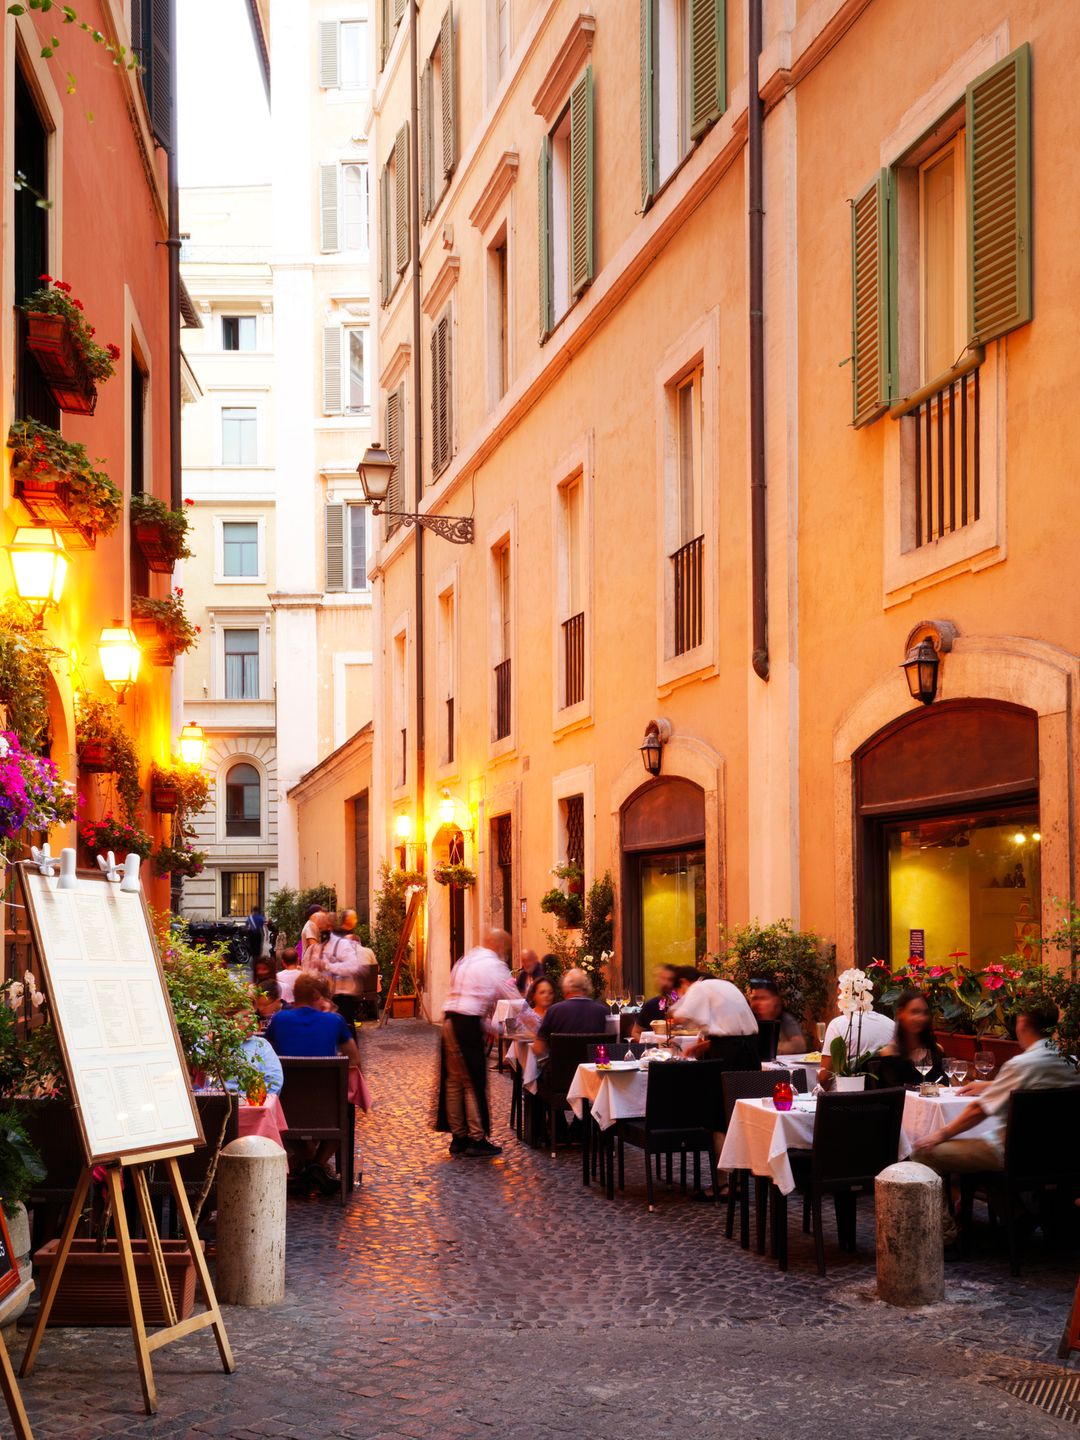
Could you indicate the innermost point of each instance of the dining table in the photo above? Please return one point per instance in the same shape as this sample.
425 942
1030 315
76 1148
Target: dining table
267 1119
616 1092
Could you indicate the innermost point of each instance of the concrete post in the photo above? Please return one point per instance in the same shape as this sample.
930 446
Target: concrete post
251 1222
910 1250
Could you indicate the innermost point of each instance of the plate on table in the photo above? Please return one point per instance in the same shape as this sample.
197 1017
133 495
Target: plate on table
622 1065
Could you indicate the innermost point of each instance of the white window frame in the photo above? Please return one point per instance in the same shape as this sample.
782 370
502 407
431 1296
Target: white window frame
672 73
364 248
698 347
240 843
957 145
220 577
364 83
364 326
222 620
365 511
581 780
575 465
501 239
562 296
242 402
447 672
237 314
503 533
400 689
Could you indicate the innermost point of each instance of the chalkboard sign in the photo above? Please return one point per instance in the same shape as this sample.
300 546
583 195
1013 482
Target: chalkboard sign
9 1269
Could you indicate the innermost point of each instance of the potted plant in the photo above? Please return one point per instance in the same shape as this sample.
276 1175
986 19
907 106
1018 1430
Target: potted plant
119 836
799 962
179 858
564 900
160 532
164 790
849 1060
20 1170
103 745
62 342
59 486
288 909
460 875
162 627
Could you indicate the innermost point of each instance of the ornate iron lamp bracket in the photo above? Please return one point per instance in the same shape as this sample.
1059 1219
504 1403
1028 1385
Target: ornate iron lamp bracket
458 529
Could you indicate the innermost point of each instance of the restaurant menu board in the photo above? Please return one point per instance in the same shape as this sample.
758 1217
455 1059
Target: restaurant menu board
109 1003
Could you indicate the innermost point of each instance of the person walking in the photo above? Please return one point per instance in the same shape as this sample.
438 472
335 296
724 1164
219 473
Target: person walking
347 963
479 979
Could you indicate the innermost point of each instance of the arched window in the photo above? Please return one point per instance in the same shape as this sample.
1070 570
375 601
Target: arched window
243 801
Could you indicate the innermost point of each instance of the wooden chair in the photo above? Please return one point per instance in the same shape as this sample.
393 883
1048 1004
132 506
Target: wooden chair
315 1103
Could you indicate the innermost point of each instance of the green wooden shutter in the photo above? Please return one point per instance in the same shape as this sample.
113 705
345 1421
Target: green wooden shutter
427 110
329 62
581 183
386 268
708 64
329 209
648 102
449 94
331 367
871 329
334 527
999 198
399 10
394 419
440 396
544 235
401 218
384 31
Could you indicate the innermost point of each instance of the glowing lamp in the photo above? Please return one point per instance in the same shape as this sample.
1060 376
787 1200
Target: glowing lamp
192 744
119 653
39 563
403 827
447 809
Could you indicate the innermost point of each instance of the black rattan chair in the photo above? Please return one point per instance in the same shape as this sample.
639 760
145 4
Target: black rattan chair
315 1103
683 1109
856 1136
768 1039
565 1054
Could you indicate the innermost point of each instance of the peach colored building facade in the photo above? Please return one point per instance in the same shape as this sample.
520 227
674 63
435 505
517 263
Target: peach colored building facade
587 390
104 232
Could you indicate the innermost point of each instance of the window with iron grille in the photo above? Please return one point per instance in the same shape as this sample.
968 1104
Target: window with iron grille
241 892
504 840
574 818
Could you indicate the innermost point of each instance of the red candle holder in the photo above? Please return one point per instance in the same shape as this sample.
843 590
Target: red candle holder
783 1095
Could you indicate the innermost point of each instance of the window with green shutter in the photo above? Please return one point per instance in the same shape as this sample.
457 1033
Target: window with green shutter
438 117
395 448
870 307
441 416
581 184
401 198
648 80
386 265
334 532
708 67
566 220
544 234
683 82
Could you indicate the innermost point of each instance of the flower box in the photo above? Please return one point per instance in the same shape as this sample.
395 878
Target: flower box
164 798
963 1047
403 1007
95 757
154 639
46 500
50 341
155 546
91 1290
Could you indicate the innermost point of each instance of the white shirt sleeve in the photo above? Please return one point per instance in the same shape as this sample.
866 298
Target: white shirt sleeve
693 1006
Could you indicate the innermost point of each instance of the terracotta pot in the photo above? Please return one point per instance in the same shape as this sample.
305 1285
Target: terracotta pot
49 339
92 1289
45 499
1001 1047
403 1007
963 1047
151 636
164 799
150 536
95 757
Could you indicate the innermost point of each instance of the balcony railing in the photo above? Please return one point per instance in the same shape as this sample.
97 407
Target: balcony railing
944 426
573 660
687 562
502 700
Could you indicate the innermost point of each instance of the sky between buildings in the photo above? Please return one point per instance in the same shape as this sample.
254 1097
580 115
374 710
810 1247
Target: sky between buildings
224 124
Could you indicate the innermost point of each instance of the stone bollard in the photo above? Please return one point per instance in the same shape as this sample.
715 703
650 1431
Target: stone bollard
251 1181
910 1250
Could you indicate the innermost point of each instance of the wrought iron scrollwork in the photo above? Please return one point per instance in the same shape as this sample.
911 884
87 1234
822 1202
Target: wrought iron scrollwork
458 529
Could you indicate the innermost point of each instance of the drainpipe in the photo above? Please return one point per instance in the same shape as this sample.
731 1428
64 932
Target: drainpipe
175 484
418 426
758 540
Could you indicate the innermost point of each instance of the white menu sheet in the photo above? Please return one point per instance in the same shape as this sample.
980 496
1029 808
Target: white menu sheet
126 1067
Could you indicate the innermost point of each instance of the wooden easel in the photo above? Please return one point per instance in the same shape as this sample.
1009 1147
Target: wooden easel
174 1329
9 1281
402 952
1070 1339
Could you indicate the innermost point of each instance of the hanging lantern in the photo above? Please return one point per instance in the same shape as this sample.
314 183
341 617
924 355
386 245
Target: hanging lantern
39 563
119 653
192 744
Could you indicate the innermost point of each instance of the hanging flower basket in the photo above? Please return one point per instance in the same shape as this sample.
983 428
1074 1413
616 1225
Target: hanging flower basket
160 532
51 341
95 757
162 627
459 875
58 485
164 797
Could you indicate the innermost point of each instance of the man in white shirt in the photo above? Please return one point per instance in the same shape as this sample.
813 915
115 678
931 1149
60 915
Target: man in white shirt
870 1031
723 1013
477 981
1040 1066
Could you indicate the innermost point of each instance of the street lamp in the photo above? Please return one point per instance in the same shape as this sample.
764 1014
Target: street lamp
39 563
119 654
447 808
192 744
403 827
921 671
651 754
376 471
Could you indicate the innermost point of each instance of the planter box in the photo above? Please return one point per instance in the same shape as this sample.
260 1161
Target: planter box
962 1047
152 540
45 499
49 340
92 1288
1001 1047
403 1007
95 757
151 637
164 799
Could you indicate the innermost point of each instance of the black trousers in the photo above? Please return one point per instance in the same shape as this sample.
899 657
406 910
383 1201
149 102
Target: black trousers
348 1008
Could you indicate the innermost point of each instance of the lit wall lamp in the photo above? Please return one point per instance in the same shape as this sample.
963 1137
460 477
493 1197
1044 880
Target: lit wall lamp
447 808
376 470
39 563
119 654
192 744
657 734
403 827
926 644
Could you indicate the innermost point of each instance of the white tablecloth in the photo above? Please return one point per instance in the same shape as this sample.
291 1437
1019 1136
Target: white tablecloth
521 1056
613 1094
925 1113
504 1009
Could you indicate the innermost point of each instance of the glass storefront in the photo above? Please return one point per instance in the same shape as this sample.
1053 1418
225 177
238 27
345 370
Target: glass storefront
672 889
964 883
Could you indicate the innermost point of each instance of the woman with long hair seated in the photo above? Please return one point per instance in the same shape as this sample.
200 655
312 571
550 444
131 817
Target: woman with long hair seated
538 1000
912 1043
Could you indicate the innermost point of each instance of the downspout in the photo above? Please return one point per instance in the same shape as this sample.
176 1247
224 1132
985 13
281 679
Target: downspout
175 479
759 562
418 426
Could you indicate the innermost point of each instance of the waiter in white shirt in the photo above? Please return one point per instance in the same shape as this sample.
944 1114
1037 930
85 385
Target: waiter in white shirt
477 981
729 1029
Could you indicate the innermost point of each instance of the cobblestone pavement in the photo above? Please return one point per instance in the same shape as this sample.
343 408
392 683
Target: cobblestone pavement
474 1298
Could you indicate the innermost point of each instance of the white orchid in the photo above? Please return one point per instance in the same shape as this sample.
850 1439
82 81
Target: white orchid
15 994
855 992
5 748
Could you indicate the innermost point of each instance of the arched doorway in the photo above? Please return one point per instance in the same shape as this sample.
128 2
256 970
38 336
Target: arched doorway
948 834
664 879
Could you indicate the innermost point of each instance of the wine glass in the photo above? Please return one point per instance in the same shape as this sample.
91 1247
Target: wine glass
960 1069
639 1000
924 1064
984 1064
820 1027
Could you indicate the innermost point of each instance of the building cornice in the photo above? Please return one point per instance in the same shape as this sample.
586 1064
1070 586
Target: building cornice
572 54
439 290
495 191
791 54
395 367
355 750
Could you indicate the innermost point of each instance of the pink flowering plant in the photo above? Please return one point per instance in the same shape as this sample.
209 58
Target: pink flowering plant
179 858
121 838
32 795
961 999
54 297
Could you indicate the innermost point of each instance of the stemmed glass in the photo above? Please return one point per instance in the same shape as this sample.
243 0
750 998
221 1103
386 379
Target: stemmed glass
984 1064
960 1070
924 1064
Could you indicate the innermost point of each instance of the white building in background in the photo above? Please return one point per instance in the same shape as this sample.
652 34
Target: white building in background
280 275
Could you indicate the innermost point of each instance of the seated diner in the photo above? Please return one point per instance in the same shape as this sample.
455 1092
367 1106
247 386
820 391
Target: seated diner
912 1045
768 1006
655 1008
577 1013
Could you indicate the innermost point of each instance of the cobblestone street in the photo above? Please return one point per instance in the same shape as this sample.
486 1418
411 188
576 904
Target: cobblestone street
471 1297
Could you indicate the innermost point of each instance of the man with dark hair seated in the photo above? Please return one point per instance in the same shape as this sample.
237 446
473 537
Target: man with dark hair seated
1040 1066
